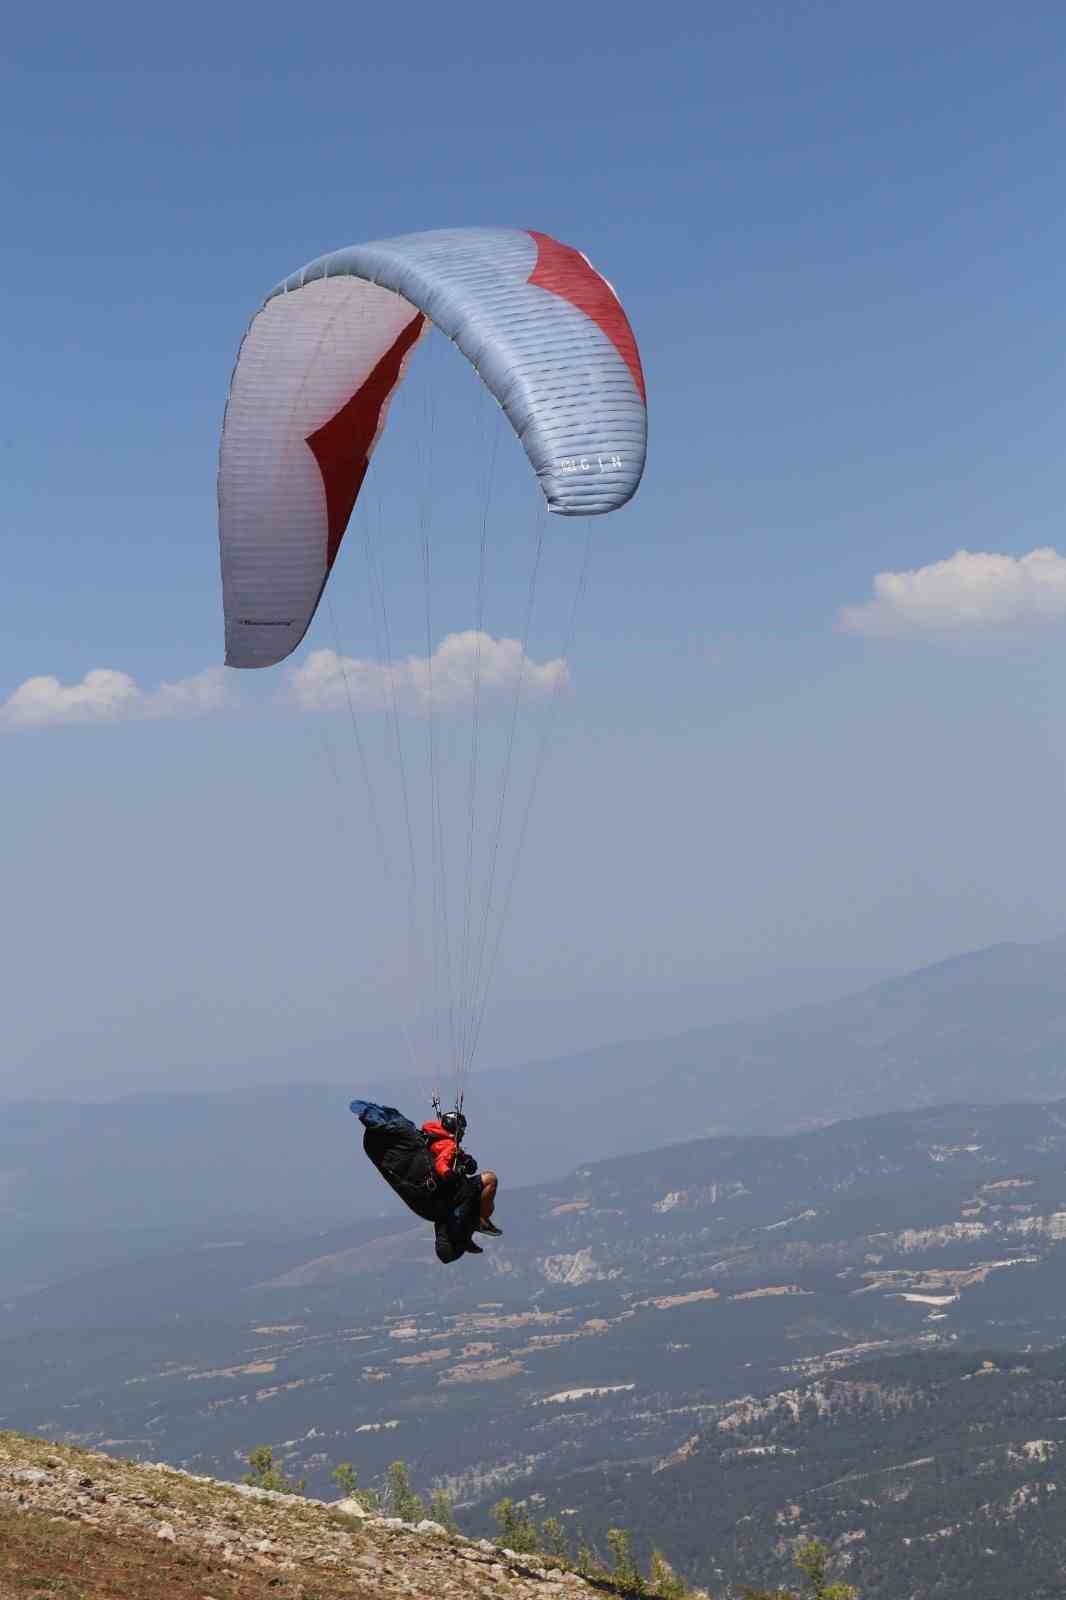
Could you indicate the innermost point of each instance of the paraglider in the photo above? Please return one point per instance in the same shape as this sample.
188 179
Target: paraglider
432 1174
319 365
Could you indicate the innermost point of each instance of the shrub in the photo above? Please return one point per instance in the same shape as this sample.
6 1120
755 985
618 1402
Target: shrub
553 1538
813 1560
664 1581
347 1480
267 1474
401 1499
441 1510
588 1562
517 1530
625 1570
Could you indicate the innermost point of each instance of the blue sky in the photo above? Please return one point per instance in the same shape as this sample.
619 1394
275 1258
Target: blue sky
837 230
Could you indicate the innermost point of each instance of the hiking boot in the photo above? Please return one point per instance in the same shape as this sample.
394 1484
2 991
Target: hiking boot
490 1228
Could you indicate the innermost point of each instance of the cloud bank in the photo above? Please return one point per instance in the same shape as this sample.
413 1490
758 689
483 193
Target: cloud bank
971 590
323 682
447 678
104 695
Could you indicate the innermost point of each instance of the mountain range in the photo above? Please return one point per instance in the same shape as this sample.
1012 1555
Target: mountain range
587 1362
85 1183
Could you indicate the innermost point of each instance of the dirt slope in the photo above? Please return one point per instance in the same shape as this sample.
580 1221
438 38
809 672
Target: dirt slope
76 1523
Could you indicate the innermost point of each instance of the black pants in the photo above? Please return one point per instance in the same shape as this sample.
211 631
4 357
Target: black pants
459 1217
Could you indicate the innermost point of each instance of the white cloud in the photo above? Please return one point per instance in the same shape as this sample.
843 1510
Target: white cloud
972 589
447 678
104 695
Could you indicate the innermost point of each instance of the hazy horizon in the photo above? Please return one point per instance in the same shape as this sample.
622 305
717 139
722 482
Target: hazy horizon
320 1068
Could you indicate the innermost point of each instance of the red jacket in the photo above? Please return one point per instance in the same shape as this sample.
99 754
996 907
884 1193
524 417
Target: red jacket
442 1148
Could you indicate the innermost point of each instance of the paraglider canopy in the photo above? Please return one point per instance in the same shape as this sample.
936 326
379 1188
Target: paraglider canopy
324 355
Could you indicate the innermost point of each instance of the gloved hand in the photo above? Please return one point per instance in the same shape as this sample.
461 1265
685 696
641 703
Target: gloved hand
467 1164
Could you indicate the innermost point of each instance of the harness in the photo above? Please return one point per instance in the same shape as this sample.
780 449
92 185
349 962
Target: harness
402 1153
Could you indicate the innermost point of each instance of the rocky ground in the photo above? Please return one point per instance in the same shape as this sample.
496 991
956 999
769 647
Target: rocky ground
76 1523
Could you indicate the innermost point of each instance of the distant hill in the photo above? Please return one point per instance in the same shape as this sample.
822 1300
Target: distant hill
979 1027
79 1181
926 1475
624 1305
